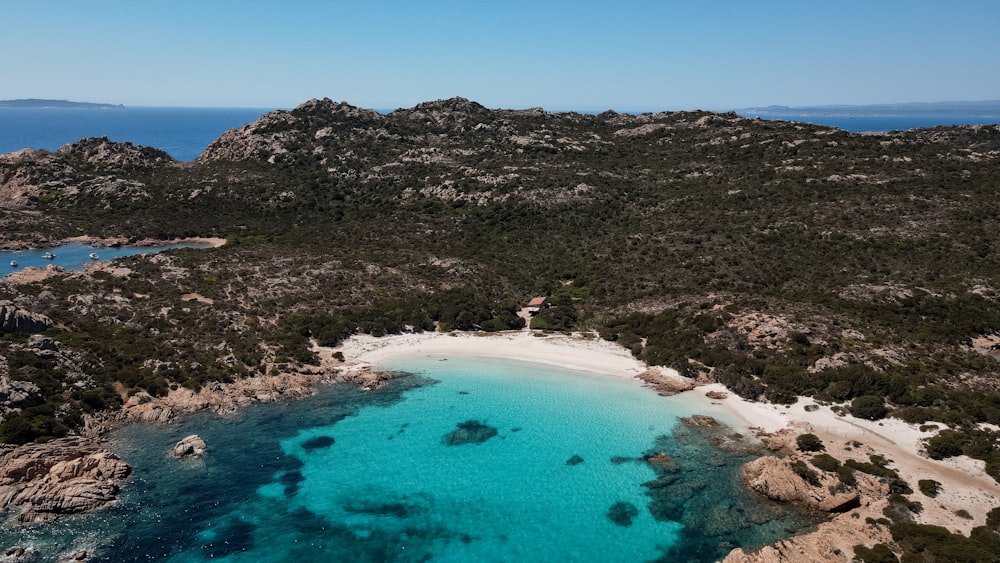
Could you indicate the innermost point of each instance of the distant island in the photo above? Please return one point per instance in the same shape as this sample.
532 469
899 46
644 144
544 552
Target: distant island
985 108
38 103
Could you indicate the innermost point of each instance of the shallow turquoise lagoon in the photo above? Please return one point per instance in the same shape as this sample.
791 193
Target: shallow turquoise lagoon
465 459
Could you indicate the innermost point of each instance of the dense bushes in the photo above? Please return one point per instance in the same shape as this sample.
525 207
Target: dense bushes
870 407
809 443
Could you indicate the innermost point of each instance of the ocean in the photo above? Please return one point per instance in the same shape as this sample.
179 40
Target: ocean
181 132
464 459
185 132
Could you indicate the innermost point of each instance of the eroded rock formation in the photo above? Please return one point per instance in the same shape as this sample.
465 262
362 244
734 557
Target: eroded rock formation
39 482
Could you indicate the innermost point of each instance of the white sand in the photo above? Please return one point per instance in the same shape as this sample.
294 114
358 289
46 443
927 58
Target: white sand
965 485
558 350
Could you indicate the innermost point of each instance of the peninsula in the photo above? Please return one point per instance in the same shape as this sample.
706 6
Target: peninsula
40 103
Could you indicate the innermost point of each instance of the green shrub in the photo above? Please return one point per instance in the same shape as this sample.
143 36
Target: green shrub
809 443
878 553
929 487
870 407
808 475
826 462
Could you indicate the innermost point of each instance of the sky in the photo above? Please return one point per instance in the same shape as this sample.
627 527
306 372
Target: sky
579 55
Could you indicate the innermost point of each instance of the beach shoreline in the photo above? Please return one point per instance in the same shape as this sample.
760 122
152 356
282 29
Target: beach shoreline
965 486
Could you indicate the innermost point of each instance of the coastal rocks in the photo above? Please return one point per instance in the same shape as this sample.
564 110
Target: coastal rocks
469 432
700 421
191 446
17 320
831 541
778 479
19 554
39 482
218 397
365 378
667 382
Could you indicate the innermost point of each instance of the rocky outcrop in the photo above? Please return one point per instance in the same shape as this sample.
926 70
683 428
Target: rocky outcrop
227 398
92 166
857 508
15 319
39 482
777 479
16 395
666 383
191 446
115 155
832 541
281 132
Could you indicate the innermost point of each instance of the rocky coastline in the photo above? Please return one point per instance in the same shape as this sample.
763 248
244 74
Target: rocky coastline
41 481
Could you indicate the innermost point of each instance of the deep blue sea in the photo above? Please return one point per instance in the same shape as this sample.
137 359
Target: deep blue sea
464 460
181 132
185 132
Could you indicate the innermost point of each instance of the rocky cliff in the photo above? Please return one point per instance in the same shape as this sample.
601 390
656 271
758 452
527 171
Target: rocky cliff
17 320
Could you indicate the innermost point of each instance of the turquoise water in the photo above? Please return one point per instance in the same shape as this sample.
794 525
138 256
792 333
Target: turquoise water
465 460
76 255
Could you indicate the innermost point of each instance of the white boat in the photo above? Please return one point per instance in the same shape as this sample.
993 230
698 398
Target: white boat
13 263
48 256
94 256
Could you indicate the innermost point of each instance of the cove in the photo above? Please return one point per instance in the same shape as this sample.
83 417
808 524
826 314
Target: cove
76 255
463 459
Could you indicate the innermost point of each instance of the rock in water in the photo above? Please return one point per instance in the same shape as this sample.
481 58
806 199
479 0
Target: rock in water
470 432
575 460
192 446
39 482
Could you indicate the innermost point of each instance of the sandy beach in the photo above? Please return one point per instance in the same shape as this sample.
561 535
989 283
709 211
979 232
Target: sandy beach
965 484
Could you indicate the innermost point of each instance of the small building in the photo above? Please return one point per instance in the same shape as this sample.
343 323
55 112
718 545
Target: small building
536 304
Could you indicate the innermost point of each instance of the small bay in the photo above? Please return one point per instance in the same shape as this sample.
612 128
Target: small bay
76 255
464 459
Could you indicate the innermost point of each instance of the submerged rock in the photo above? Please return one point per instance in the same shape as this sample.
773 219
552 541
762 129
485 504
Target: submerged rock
192 446
622 513
317 443
469 432
700 420
575 460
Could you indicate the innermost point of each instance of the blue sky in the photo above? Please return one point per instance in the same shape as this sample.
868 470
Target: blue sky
584 55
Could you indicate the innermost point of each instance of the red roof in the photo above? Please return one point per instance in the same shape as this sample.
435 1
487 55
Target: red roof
536 302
